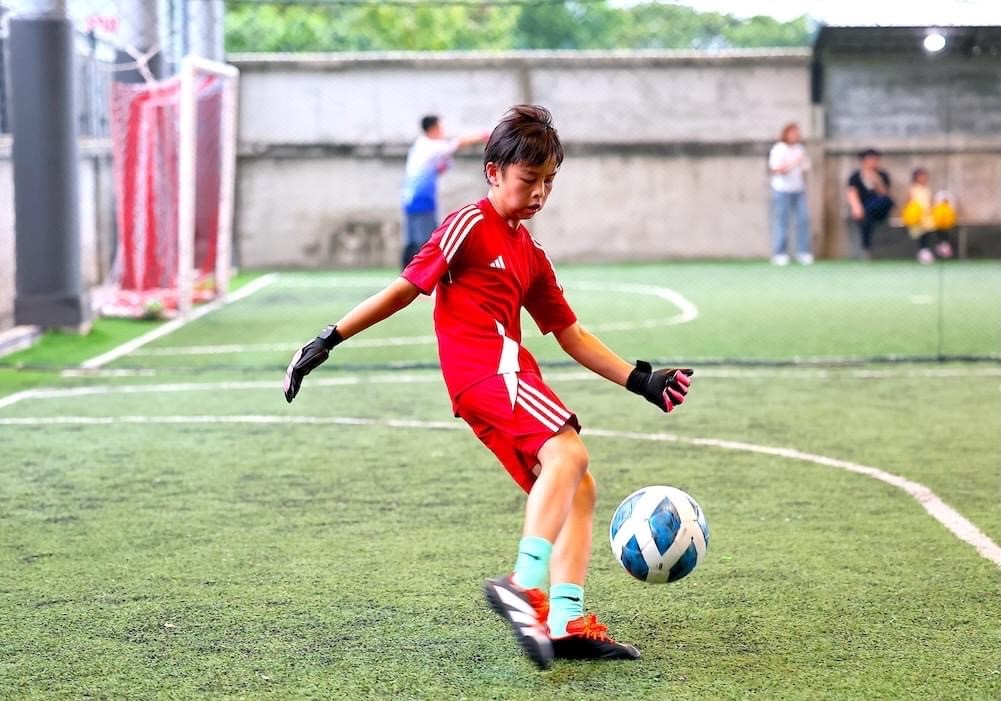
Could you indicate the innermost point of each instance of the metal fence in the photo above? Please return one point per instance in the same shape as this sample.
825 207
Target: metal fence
128 40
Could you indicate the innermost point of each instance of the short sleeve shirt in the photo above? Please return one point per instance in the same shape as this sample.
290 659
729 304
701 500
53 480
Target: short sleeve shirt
426 160
866 190
792 180
483 273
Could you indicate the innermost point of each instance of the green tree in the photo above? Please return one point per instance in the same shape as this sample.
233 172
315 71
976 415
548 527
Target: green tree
368 25
768 32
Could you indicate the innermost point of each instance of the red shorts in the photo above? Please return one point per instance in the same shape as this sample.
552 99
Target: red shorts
515 434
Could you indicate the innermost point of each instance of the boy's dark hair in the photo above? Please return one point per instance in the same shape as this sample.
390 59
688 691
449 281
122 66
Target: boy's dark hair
524 135
428 122
868 152
918 171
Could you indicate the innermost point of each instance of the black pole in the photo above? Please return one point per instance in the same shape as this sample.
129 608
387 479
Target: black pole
49 284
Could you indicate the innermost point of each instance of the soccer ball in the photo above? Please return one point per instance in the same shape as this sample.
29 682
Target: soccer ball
659 534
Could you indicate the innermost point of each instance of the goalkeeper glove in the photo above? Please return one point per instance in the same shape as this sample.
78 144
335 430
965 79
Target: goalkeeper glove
665 389
308 358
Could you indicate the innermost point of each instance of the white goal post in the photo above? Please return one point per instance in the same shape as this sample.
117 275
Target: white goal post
191 67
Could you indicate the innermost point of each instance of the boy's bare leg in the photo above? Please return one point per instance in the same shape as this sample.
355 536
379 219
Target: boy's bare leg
576 634
563 463
572 548
519 598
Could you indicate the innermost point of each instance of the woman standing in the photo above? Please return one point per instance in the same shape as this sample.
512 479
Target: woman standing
787 163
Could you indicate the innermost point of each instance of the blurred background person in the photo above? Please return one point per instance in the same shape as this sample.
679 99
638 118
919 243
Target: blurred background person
923 226
429 156
869 197
787 163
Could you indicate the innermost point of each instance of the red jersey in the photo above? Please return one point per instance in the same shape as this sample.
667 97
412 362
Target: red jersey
485 273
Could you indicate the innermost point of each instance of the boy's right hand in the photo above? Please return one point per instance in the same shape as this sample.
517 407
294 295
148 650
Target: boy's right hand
665 388
308 358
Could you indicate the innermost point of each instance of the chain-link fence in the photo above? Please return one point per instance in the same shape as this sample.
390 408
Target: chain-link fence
127 40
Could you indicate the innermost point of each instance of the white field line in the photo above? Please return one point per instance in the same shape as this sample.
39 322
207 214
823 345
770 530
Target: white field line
171 326
750 373
12 399
953 521
686 312
401 378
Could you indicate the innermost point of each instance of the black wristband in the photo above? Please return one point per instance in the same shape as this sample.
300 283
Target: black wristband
330 337
636 383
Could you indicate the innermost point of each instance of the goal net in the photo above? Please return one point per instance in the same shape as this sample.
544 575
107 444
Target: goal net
174 146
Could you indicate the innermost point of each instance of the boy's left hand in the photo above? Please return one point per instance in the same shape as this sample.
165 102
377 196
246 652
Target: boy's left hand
307 359
665 389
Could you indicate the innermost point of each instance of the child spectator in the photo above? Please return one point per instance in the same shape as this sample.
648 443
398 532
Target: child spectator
919 216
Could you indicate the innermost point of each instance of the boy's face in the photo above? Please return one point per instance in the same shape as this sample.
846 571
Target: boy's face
522 190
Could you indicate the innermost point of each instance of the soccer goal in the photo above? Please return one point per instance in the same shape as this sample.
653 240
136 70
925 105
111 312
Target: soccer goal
174 145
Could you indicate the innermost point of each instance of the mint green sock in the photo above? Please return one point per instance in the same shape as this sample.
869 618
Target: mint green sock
566 602
531 569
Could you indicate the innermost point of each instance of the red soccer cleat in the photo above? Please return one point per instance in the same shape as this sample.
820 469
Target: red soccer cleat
588 639
526 611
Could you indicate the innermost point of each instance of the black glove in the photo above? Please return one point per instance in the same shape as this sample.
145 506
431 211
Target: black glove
308 358
665 389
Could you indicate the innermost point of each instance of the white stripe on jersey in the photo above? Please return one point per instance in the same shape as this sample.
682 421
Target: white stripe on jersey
545 421
454 247
449 234
543 399
460 227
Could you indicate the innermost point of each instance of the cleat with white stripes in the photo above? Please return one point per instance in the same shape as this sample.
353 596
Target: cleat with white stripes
525 611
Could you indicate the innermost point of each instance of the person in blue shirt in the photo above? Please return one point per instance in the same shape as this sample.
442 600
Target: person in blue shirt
429 156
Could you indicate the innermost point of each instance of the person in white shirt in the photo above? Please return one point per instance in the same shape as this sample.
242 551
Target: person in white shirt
429 156
787 163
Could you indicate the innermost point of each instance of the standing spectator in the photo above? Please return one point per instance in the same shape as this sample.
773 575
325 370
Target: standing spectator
429 156
787 163
869 197
923 226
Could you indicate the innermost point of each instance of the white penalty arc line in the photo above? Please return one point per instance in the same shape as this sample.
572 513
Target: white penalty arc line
687 312
952 520
174 324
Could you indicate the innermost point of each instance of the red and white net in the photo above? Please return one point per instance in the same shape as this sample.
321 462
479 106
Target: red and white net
146 139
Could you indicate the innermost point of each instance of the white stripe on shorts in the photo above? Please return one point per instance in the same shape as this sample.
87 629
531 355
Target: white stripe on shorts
545 410
541 418
544 400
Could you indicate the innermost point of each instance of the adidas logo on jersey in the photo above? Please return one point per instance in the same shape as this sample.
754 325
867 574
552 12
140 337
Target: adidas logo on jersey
498 263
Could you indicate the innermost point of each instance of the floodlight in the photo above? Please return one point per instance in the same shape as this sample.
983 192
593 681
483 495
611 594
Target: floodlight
934 42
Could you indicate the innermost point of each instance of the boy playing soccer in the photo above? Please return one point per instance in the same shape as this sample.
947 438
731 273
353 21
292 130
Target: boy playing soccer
485 267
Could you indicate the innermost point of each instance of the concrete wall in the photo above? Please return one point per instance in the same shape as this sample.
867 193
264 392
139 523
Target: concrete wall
912 96
666 150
